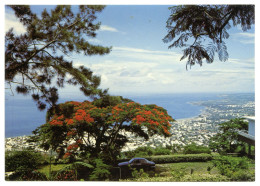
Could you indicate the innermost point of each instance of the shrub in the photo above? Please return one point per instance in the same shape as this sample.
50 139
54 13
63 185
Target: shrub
139 174
161 151
242 175
72 172
27 175
67 175
180 158
101 171
140 151
196 149
22 160
236 168
228 165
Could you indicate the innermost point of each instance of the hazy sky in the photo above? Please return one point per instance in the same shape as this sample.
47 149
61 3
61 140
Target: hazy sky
140 63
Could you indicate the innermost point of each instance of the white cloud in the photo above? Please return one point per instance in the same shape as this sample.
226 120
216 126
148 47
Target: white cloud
245 37
246 34
162 57
12 22
107 28
134 70
139 50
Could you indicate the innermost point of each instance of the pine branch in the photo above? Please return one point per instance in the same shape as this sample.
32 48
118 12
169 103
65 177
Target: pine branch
42 90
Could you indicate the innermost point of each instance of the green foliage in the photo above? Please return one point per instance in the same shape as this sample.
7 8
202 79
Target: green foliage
179 158
204 178
22 160
243 175
226 140
229 165
139 174
35 60
196 149
101 171
191 25
71 171
139 152
146 151
27 175
178 174
161 151
175 148
184 178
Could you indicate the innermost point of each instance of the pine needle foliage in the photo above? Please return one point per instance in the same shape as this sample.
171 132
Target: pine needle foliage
36 62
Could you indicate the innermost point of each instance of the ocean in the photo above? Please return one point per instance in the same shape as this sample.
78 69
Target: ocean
22 115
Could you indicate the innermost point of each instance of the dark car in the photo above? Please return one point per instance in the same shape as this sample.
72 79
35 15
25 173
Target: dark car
138 163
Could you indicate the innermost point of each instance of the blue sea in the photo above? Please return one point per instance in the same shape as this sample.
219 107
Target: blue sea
22 115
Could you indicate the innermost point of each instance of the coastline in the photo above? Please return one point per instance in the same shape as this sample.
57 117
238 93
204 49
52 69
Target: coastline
198 129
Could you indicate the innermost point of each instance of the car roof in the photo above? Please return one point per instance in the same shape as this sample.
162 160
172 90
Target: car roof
138 158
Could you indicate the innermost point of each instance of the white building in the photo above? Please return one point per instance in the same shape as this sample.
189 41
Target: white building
248 137
251 125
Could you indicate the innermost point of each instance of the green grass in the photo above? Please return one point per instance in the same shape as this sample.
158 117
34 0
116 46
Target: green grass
46 169
182 172
198 167
186 172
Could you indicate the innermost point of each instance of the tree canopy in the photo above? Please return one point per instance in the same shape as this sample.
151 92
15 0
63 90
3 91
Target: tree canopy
226 140
202 29
78 128
38 59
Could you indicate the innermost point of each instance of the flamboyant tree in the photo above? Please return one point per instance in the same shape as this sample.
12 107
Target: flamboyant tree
37 62
79 128
202 29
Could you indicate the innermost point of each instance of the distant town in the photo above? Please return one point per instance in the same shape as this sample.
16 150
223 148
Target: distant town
184 131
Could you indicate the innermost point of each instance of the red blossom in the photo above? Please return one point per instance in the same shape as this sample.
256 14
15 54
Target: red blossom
140 119
71 133
60 117
73 146
67 154
79 117
74 103
88 119
56 122
70 121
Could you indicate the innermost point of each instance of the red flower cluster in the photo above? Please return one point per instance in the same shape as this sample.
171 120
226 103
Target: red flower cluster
74 103
67 154
73 146
56 122
81 115
139 119
69 121
153 117
72 132
165 130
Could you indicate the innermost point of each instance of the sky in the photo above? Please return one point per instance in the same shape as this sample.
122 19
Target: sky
141 63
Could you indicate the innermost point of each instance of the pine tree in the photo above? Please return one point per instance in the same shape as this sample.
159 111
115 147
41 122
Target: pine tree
36 62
